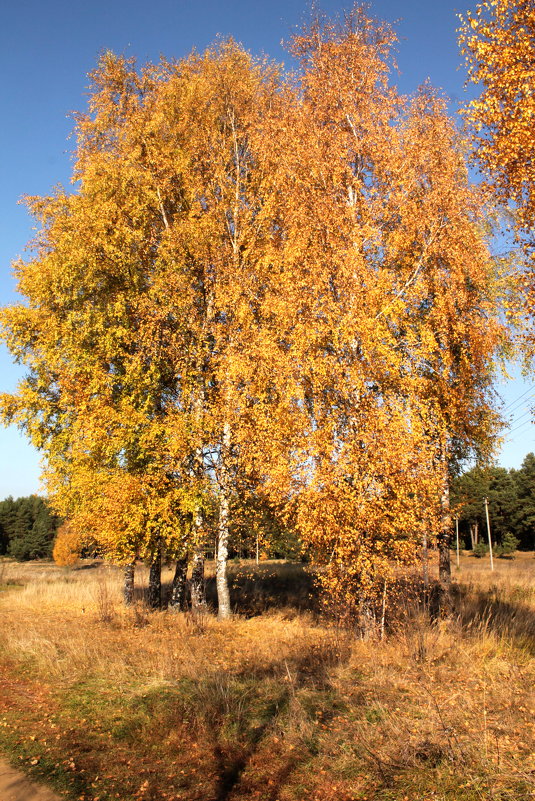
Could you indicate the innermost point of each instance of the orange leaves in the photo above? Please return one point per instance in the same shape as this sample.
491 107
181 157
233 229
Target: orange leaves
499 52
498 49
387 321
293 260
67 546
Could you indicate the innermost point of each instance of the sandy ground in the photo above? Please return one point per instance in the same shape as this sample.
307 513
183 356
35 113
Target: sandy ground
15 786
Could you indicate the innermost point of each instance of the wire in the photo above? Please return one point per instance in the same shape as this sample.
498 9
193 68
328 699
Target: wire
515 423
514 402
522 425
519 405
516 420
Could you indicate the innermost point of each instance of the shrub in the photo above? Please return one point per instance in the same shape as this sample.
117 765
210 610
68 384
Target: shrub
480 550
67 546
508 546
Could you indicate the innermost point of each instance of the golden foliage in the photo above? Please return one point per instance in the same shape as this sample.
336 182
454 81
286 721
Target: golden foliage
297 261
67 546
498 44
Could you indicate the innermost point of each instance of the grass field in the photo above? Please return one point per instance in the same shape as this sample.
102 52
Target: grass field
108 703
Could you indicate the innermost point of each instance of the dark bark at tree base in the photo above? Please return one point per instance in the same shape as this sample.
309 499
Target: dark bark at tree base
197 588
367 621
154 597
444 561
440 601
128 586
444 600
177 596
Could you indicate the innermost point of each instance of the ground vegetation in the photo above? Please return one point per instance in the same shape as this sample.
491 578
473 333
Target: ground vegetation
104 701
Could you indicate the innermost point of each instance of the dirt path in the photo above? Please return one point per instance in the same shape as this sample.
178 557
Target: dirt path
15 786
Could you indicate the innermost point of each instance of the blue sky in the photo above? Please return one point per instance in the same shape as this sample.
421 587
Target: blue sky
47 49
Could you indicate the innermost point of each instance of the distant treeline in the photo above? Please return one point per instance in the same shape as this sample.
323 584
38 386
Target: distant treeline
27 528
511 501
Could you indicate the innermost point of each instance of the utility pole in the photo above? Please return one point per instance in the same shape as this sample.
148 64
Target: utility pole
457 539
488 532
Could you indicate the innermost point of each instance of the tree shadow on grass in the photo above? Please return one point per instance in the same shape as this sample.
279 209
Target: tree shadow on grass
263 766
505 611
256 590
250 765
241 718
238 785
488 610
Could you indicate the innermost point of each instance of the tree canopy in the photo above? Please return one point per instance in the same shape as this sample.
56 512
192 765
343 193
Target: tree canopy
264 280
498 42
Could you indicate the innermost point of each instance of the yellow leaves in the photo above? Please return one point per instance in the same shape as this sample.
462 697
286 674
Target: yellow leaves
211 273
500 55
67 546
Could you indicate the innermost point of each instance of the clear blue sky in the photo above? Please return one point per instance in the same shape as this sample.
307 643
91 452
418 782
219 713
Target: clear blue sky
48 47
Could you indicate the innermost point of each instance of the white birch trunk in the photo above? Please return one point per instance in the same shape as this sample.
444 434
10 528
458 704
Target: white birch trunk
223 595
197 584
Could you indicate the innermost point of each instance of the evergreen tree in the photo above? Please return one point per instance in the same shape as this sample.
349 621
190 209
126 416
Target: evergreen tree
524 519
503 502
511 498
467 493
27 528
7 512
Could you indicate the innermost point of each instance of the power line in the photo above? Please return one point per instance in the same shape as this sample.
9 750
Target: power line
511 440
514 402
522 425
516 420
518 405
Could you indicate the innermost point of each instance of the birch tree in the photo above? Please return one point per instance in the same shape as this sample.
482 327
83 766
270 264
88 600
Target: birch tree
137 297
264 280
380 317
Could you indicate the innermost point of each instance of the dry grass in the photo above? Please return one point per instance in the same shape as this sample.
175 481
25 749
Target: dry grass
272 706
507 572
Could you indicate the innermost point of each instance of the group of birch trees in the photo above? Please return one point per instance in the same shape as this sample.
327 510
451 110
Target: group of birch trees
265 285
